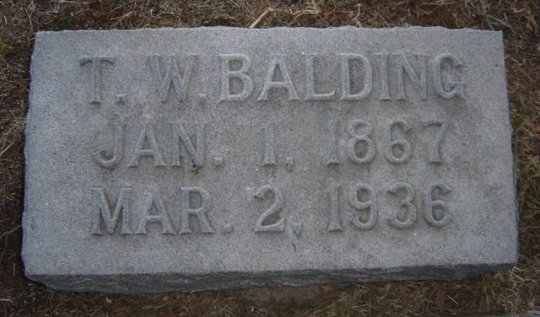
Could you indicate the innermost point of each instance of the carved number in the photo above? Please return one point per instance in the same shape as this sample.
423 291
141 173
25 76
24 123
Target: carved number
370 204
275 207
434 153
360 138
362 198
269 155
406 203
361 149
431 204
402 144
333 198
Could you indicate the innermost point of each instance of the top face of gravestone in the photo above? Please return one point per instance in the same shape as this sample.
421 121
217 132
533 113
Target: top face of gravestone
208 150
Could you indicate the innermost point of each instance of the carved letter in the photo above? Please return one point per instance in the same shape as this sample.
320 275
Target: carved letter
146 135
95 74
153 199
346 78
196 153
278 63
117 151
383 70
310 82
227 74
102 212
402 63
456 86
187 210
172 76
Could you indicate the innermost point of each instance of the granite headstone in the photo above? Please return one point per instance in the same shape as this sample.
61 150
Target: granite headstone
216 158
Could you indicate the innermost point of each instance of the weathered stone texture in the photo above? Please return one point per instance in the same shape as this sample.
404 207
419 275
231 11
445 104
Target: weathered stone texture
212 158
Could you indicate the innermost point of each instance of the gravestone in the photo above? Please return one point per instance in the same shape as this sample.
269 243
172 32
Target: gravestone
216 158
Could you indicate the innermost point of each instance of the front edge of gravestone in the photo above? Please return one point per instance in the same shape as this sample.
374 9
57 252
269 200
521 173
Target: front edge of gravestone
264 146
175 282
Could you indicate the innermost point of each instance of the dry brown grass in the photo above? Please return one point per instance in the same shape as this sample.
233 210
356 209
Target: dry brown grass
517 290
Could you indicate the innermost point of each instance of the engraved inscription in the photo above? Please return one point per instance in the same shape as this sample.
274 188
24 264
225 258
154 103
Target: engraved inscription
146 138
153 201
194 202
434 152
455 87
345 67
358 138
443 217
333 198
227 228
195 152
272 211
330 145
356 74
110 159
372 147
239 74
400 150
166 74
121 99
269 155
363 200
188 210
384 93
420 83
361 148
310 82
95 74
407 208
185 149
289 163
296 229
218 161
102 212
368 204
278 65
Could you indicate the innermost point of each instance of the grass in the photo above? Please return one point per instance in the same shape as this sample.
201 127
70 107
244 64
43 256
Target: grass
515 291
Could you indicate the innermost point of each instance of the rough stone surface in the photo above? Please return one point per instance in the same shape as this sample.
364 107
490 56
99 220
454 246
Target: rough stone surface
214 158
